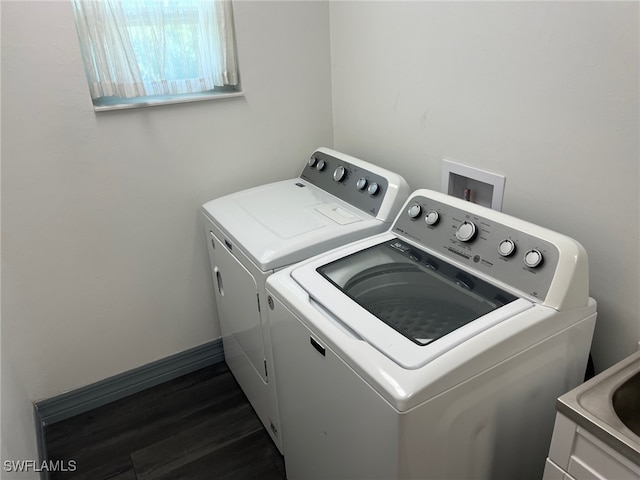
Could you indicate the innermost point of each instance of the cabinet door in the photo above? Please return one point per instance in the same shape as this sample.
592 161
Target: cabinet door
593 459
238 306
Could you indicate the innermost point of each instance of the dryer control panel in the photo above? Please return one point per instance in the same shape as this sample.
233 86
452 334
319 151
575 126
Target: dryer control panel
348 179
519 254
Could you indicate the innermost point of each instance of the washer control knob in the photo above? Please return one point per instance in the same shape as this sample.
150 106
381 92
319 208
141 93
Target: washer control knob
506 248
466 231
361 184
339 174
414 210
373 189
432 217
532 258
312 161
320 165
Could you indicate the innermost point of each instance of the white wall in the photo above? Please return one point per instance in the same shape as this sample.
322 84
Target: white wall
18 422
104 266
545 93
17 438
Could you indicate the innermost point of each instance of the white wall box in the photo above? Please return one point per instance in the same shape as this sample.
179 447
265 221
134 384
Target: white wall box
473 184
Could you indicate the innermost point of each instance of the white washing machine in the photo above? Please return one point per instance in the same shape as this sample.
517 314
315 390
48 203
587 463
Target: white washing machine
435 350
250 234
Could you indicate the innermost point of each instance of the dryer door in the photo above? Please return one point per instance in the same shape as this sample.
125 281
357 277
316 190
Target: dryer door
238 307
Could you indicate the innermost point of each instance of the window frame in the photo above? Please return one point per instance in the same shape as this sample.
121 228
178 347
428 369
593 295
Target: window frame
108 103
105 104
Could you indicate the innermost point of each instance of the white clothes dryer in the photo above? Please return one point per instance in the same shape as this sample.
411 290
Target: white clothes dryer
250 234
435 350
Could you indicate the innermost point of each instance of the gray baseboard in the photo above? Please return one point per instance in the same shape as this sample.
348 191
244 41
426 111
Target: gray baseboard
86 398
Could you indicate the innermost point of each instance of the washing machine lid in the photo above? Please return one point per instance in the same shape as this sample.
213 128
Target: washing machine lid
409 304
282 223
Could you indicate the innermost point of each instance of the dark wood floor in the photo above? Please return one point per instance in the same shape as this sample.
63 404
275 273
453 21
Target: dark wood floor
199 426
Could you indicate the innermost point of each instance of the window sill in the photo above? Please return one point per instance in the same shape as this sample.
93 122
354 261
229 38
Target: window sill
155 101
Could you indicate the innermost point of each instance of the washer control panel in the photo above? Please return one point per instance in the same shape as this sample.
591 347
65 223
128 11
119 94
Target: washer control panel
354 184
490 245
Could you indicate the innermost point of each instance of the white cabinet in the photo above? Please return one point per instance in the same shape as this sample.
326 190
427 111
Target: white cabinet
576 454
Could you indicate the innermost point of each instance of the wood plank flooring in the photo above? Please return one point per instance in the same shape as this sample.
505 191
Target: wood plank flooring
199 426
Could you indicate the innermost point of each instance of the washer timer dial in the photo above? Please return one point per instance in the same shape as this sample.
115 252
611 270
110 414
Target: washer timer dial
466 231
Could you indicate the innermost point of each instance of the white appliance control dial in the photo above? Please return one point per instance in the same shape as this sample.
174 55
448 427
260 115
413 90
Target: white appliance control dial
532 258
432 217
373 188
320 165
361 183
506 247
466 231
312 161
414 210
339 174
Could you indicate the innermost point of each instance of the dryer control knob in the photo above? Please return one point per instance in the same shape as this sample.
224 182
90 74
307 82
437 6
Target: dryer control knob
320 165
432 217
361 183
532 258
312 161
506 247
339 174
373 189
414 210
466 231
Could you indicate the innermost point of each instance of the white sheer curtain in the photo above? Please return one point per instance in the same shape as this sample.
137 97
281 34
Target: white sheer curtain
135 48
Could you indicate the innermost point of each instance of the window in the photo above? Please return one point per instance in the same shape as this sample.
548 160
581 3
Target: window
156 51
